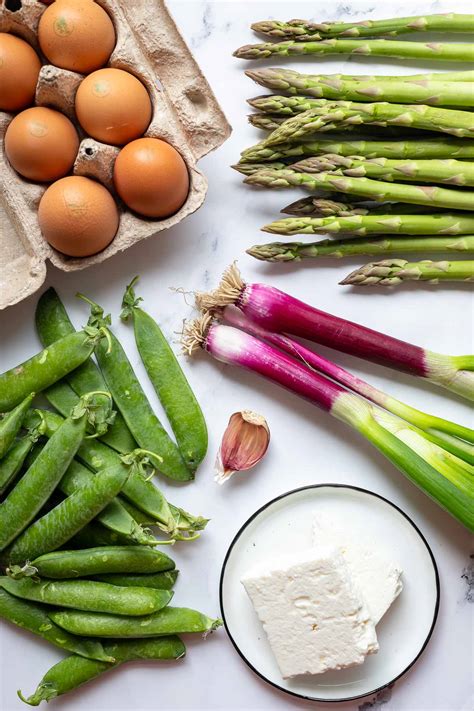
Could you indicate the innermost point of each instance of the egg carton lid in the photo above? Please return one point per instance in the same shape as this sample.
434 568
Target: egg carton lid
185 113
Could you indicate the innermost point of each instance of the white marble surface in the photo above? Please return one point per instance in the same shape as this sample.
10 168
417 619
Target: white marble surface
307 446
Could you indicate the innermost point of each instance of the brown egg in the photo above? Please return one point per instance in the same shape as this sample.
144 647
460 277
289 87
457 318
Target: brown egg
77 35
113 106
41 144
78 216
151 177
19 69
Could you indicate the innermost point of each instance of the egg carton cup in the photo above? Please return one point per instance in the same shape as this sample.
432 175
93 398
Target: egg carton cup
185 114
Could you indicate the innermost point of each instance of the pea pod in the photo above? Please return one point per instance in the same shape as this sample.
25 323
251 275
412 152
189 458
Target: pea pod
88 595
72 672
170 620
159 581
11 464
100 561
53 323
184 522
115 516
180 524
95 535
11 423
67 518
38 483
132 402
34 618
47 367
169 381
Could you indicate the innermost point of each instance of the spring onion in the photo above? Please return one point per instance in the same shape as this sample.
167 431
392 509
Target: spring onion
279 312
441 475
451 436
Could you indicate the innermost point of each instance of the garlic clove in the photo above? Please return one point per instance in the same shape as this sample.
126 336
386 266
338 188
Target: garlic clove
243 445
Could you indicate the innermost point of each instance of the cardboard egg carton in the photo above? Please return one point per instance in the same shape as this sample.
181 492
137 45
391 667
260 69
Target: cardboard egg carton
185 113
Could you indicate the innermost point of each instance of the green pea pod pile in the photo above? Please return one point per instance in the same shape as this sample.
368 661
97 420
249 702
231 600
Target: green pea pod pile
79 514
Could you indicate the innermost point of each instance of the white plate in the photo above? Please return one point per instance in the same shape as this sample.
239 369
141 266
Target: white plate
284 525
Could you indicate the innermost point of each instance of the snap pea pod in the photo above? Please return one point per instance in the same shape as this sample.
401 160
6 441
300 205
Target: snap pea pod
34 618
132 402
47 367
141 492
11 423
185 523
97 456
159 581
179 524
166 376
67 518
115 516
100 561
38 483
138 515
72 672
169 620
89 595
94 535
12 463
53 323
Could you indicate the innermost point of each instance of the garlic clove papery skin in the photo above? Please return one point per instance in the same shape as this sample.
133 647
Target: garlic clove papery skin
244 444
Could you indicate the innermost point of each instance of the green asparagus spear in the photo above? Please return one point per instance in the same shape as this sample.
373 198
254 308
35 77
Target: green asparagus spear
437 93
334 205
428 118
291 105
288 75
249 168
266 122
374 189
295 251
447 52
361 225
409 148
395 89
391 272
448 171
302 30
332 118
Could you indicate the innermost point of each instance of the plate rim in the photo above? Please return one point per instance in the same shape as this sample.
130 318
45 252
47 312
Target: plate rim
332 486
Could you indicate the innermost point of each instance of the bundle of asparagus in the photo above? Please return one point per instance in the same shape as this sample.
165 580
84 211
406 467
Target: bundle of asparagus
367 187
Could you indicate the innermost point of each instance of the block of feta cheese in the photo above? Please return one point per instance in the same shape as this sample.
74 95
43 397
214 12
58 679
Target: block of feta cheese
314 616
378 578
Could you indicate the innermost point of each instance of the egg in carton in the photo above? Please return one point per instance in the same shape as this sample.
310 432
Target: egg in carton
185 114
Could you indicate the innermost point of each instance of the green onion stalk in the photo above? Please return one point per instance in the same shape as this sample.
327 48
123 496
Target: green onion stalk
455 438
446 478
277 311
